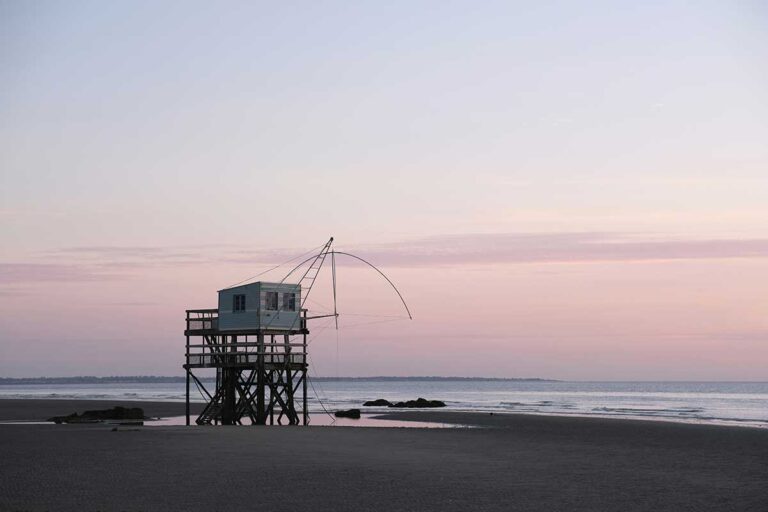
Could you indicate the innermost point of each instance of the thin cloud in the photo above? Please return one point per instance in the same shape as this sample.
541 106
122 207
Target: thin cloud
104 263
14 273
554 248
158 255
128 253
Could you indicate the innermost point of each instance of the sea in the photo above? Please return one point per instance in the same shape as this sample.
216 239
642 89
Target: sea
725 403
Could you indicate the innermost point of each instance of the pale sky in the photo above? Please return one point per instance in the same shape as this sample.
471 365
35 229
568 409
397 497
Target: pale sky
572 190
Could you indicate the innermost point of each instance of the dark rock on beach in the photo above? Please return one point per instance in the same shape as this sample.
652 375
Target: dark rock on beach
116 413
419 403
352 413
377 403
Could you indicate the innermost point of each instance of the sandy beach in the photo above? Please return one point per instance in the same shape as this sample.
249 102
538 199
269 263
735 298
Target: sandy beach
514 462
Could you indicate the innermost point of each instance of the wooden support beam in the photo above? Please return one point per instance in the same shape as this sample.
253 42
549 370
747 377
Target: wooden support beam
258 378
260 409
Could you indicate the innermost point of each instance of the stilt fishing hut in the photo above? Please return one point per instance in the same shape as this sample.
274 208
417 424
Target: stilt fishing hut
256 340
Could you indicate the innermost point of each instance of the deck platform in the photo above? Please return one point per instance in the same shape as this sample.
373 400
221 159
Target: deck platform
259 372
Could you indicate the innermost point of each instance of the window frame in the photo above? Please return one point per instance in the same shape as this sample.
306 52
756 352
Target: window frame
238 303
291 301
267 302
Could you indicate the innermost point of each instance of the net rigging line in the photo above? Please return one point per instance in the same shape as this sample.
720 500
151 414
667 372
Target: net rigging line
335 311
373 322
333 273
311 251
312 384
312 369
322 255
398 317
315 258
324 308
322 328
337 347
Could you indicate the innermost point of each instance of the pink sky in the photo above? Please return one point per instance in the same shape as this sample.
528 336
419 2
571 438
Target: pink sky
570 307
557 190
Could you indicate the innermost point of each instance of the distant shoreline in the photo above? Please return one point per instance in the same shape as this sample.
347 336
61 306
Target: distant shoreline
162 380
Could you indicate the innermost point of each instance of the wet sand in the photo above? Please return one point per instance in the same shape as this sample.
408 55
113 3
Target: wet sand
515 462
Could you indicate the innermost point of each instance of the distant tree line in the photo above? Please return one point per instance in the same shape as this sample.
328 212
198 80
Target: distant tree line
151 379
88 379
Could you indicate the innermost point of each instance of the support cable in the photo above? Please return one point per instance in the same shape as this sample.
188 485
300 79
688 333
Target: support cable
311 251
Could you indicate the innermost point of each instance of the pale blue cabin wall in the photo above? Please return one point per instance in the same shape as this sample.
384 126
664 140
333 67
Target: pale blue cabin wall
249 319
255 315
280 319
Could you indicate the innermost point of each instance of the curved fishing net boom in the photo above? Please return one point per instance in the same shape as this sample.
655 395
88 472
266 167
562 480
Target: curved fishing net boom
410 317
317 262
310 277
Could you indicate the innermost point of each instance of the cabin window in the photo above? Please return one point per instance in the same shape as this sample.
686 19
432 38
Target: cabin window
238 303
289 302
270 301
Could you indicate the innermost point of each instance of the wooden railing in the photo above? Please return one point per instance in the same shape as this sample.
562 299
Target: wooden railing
202 320
208 347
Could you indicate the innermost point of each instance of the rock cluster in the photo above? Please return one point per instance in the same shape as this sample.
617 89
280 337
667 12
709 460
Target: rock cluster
419 403
351 413
377 403
115 413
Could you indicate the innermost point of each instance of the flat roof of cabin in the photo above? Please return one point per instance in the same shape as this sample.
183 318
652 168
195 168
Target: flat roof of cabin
268 283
